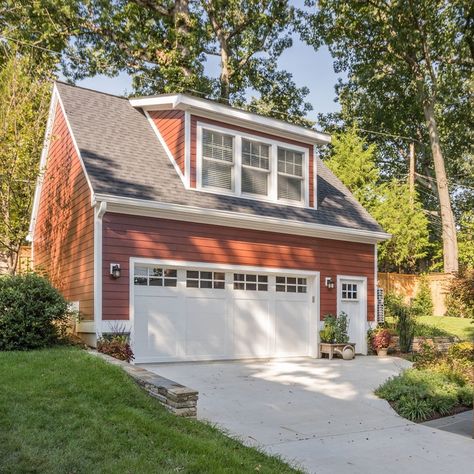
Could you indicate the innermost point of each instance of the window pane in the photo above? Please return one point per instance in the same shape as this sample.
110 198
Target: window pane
251 286
156 272
301 281
302 289
280 287
206 275
205 284
291 289
192 284
239 286
219 285
140 281
291 280
251 277
254 181
262 287
262 279
156 281
217 146
219 276
216 175
192 274
289 188
171 273
170 282
239 277
280 279
141 271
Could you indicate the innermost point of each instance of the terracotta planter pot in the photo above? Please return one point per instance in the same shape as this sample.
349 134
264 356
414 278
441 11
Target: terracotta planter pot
382 351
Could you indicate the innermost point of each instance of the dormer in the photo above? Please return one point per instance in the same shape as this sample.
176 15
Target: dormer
227 151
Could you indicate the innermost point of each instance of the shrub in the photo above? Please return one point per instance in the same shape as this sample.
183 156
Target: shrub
460 299
116 345
405 324
422 304
462 351
33 314
381 339
414 409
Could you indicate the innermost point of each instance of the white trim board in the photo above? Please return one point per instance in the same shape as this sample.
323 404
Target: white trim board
230 114
171 211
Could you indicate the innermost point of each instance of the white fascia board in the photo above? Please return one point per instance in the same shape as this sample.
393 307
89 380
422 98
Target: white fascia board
185 102
172 211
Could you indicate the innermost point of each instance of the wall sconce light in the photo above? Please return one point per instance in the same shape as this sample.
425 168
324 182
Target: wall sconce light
115 270
329 283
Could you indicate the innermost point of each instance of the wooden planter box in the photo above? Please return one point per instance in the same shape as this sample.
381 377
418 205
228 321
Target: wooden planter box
331 349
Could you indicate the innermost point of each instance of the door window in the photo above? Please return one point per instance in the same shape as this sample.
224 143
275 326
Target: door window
349 291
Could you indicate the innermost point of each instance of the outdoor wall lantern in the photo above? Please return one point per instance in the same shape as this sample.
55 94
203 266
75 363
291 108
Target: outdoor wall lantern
115 270
329 282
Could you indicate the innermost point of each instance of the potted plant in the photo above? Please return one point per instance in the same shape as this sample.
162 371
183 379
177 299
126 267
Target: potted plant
334 337
381 341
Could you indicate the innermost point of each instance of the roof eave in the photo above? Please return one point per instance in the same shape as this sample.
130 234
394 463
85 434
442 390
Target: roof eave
125 205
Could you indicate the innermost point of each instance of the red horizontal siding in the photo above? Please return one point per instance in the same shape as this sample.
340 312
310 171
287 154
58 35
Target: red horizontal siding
170 123
64 232
133 236
195 119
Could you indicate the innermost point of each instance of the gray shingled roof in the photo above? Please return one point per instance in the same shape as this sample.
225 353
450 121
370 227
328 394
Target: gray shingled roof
124 158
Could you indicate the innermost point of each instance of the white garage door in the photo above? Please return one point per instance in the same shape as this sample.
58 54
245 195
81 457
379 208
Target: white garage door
204 314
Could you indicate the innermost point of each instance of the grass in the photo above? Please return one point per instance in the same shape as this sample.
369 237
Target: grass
434 326
64 411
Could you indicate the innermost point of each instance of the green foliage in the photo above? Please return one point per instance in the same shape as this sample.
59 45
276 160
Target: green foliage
422 304
33 314
335 329
466 240
405 324
460 297
24 102
407 223
418 394
353 162
115 346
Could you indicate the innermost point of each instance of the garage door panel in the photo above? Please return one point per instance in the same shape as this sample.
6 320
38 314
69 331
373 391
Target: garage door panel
158 326
206 327
252 327
292 324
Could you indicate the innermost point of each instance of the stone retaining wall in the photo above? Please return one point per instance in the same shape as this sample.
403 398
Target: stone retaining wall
176 398
441 344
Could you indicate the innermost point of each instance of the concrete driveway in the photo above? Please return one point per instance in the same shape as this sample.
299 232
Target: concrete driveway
320 414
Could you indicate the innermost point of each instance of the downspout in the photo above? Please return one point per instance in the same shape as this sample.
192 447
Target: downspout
99 211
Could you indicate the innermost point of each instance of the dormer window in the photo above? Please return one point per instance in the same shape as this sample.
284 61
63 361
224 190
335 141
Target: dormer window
240 164
217 160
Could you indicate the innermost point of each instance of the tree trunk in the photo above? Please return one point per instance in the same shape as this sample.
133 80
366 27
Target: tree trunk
450 244
225 73
181 20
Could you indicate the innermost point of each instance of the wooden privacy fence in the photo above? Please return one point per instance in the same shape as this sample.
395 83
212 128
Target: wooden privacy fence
408 285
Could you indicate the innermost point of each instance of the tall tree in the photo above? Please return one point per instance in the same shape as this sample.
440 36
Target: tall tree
408 64
24 100
390 202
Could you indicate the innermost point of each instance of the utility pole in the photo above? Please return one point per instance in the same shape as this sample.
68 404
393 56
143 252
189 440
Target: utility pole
411 173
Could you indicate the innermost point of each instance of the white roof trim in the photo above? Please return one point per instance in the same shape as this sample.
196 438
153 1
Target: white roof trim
55 99
235 219
185 102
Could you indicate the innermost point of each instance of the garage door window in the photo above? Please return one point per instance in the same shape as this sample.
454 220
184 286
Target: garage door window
154 276
291 284
243 281
198 279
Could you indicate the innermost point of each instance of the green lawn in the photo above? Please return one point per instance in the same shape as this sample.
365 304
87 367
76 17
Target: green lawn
64 411
431 326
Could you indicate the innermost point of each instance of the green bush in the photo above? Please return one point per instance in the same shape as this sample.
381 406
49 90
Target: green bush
422 304
33 314
418 394
460 299
405 324
335 329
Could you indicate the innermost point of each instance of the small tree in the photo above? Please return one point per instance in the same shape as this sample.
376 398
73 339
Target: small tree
422 304
24 102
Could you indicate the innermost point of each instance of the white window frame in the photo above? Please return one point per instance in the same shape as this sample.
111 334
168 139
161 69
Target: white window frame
237 168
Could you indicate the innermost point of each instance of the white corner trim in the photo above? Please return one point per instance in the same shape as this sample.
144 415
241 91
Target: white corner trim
187 147
184 102
165 146
315 178
376 281
141 207
99 211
